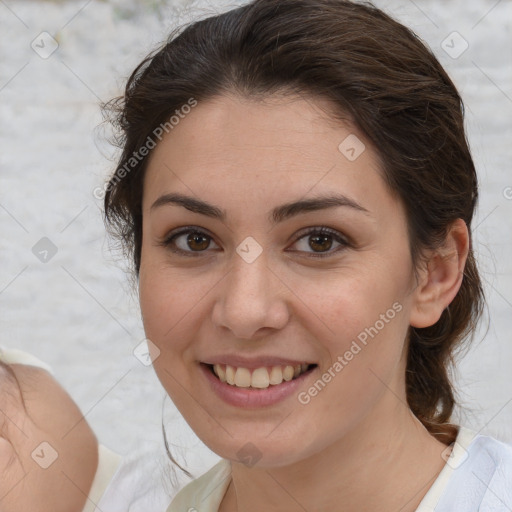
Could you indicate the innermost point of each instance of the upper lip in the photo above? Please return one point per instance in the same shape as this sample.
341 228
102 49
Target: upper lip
252 363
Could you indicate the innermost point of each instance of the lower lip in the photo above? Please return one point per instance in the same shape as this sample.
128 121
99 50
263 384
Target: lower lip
251 397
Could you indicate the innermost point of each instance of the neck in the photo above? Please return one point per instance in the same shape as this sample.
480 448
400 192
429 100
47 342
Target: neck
387 463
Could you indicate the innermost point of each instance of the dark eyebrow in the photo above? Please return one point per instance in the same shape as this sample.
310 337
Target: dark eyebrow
278 214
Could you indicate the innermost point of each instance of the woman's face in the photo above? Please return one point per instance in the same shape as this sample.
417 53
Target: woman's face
234 272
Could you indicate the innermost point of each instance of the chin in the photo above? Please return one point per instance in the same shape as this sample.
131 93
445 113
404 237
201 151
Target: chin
259 452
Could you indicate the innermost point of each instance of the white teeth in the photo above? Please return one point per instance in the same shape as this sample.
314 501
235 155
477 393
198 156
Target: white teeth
288 373
230 375
242 378
220 372
276 375
260 378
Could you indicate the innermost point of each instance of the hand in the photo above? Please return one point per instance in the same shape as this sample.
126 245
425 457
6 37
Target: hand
35 409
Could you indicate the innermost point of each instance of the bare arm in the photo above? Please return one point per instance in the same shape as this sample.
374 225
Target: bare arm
48 452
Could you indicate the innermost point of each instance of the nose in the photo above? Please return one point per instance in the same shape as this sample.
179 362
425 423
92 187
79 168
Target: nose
252 299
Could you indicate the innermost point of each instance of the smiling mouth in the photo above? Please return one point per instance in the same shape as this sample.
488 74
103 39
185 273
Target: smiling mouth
259 378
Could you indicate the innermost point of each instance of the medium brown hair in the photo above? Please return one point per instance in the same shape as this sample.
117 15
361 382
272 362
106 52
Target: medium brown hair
376 73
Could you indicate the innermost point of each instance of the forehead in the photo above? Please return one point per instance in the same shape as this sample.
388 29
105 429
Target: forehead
271 150
280 123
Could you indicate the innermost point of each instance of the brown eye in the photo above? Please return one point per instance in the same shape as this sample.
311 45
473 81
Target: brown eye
188 241
194 242
197 241
320 241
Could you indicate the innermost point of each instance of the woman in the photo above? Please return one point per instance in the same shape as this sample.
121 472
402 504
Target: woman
296 192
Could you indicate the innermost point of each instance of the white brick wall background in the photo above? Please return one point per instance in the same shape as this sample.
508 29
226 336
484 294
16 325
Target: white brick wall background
77 311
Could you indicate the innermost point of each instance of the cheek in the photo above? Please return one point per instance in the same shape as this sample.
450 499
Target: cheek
365 363
163 304
172 305
165 309
350 301
363 316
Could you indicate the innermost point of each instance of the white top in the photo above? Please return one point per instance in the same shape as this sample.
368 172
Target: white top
477 477
139 485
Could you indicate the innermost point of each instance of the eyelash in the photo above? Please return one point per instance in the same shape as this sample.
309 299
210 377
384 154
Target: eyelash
169 241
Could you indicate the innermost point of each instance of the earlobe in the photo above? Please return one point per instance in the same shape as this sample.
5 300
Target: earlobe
441 277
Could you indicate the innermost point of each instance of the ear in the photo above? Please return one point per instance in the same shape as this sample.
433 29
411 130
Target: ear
441 277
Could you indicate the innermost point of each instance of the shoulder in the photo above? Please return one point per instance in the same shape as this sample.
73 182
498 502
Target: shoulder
493 457
498 450
482 475
476 446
